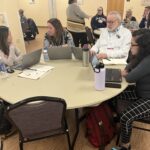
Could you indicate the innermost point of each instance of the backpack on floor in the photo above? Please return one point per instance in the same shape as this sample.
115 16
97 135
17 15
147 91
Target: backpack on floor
5 125
100 126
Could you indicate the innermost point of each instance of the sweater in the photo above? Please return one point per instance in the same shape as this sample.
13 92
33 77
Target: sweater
141 76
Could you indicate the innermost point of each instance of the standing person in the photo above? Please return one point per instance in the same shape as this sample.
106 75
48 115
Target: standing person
76 23
9 54
144 21
57 35
23 20
136 72
114 41
99 20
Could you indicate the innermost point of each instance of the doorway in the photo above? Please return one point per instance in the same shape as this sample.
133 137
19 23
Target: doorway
117 5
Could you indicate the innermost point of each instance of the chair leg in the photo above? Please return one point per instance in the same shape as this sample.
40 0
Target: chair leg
21 145
118 138
2 141
69 142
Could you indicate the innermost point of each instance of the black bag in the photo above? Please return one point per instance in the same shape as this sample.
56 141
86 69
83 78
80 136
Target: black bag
5 125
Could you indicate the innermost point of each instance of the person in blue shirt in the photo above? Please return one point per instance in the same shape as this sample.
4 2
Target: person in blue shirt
99 20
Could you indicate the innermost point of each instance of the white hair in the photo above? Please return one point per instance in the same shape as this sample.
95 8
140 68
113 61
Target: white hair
116 14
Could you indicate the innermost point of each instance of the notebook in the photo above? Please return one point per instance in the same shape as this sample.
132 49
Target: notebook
29 60
60 53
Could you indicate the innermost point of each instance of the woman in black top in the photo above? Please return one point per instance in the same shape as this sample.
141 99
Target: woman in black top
99 20
137 71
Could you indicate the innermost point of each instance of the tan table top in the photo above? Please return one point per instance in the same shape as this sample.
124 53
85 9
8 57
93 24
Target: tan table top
68 80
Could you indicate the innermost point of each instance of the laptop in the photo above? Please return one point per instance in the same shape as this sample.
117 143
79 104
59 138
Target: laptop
78 53
113 75
60 53
29 60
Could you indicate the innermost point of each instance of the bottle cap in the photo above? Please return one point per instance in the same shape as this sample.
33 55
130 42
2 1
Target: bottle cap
85 47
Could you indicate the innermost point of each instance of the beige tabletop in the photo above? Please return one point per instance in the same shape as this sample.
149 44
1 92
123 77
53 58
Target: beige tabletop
68 80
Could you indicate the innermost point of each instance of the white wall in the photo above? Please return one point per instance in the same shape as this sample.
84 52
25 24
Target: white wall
39 11
14 22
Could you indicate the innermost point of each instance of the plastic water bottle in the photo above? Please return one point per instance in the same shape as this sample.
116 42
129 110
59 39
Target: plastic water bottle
100 73
45 55
3 71
85 50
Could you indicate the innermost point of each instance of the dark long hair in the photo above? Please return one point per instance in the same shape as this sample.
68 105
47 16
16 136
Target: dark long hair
4 46
71 1
59 31
142 38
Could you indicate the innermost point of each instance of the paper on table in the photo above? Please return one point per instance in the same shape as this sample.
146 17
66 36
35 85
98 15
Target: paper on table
35 72
115 61
31 74
44 68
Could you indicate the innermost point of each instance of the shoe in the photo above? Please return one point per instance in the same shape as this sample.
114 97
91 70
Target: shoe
121 148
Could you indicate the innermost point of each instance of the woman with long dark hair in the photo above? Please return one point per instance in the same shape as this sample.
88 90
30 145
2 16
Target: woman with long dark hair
9 54
137 71
57 35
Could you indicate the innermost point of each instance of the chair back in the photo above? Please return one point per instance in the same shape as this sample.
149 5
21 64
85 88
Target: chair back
90 36
36 117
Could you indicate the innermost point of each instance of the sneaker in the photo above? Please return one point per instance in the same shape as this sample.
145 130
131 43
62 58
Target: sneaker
121 148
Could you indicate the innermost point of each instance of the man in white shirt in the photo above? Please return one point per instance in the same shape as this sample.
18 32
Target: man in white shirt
114 41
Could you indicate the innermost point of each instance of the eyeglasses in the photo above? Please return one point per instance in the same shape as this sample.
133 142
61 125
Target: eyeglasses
134 45
111 22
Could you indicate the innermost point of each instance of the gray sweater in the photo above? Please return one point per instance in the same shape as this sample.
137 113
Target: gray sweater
141 76
74 13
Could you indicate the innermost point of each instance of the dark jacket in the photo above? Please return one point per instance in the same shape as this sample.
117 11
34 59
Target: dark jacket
143 23
98 21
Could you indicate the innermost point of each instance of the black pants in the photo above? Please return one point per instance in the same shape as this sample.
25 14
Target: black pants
79 38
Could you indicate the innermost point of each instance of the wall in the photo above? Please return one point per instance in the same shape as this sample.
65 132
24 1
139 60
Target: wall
39 11
14 22
136 7
88 7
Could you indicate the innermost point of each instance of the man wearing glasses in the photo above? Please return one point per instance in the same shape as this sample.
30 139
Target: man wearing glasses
114 41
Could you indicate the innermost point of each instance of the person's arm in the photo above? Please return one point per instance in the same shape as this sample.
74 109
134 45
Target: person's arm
138 72
80 13
95 48
46 43
93 23
142 23
70 42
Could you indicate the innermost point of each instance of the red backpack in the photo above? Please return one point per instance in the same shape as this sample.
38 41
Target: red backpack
100 126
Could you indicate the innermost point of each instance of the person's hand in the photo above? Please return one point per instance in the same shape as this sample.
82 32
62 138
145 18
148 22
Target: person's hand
102 56
65 45
124 72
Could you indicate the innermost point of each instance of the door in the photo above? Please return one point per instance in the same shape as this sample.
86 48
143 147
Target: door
115 5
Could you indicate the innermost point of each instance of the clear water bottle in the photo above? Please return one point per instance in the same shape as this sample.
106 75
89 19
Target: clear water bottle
100 73
45 55
85 50
3 71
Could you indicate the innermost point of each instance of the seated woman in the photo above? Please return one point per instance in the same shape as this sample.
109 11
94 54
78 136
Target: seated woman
137 72
57 35
9 54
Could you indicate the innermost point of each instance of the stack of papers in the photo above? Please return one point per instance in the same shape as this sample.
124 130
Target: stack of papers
115 62
35 72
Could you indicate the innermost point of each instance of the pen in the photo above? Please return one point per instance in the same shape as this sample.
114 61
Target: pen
108 59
